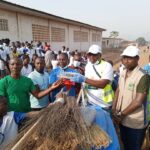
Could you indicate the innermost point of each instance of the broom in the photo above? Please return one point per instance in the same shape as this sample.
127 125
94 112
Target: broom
60 127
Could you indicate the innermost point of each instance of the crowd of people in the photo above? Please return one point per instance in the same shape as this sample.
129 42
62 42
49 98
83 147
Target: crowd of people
32 75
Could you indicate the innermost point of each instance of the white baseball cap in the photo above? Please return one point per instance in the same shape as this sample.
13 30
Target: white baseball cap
95 49
131 51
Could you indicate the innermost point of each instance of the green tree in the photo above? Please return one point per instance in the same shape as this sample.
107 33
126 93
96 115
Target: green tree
141 41
114 34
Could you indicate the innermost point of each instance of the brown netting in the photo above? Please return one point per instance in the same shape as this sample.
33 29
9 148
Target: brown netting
60 127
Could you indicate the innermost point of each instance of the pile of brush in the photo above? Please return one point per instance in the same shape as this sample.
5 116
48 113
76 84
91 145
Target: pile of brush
60 127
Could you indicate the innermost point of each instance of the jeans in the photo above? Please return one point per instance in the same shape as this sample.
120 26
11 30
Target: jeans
132 138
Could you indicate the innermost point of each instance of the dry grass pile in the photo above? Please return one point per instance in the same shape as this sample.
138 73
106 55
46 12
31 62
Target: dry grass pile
62 127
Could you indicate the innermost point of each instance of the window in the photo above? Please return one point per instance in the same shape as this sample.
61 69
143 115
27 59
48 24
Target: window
84 37
80 36
3 25
77 36
40 33
96 37
93 37
57 34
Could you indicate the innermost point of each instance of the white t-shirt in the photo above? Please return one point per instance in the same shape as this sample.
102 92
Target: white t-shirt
4 54
20 50
6 49
2 66
121 68
9 129
26 71
54 63
38 51
71 61
104 69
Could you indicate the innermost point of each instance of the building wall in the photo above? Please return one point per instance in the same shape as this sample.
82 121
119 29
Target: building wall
73 45
12 32
95 37
25 26
85 41
111 43
22 27
58 43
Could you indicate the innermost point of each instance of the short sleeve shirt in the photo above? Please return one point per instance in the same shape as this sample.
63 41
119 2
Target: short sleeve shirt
17 92
42 80
104 69
144 84
26 71
54 76
147 68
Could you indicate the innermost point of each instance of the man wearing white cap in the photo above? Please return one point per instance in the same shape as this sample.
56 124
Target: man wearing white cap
129 105
98 77
98 90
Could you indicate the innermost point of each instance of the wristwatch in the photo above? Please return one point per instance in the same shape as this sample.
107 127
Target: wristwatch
120 114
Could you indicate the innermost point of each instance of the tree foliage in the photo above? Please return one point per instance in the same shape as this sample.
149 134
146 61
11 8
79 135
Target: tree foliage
141 41
114 34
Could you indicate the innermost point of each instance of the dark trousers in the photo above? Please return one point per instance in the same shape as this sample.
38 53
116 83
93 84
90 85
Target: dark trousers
132 138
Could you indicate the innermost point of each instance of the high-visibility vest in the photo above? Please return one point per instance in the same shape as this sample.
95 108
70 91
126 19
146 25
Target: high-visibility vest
108 93
148 105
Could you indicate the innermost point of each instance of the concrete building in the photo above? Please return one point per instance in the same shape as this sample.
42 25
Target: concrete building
19 23
111 42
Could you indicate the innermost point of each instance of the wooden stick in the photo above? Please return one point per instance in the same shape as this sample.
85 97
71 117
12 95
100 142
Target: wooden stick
17 146
79 96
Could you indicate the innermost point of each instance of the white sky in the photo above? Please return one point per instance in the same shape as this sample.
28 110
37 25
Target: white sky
129 17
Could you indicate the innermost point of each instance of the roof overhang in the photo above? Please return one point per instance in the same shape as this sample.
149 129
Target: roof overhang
33 12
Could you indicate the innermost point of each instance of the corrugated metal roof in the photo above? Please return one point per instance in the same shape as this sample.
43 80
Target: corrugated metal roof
30 11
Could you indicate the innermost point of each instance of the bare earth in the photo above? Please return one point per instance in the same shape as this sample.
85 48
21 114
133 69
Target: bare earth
144 58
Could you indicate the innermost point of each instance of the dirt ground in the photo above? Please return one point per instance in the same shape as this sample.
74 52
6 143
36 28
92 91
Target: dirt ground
144 58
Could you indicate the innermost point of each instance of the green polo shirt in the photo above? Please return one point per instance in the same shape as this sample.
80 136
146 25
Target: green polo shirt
17 92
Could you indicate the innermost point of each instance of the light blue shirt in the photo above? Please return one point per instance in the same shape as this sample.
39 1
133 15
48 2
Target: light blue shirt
53 77
42 80
147 68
